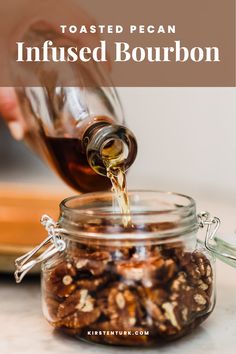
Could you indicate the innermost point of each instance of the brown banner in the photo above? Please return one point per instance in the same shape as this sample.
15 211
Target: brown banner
123 43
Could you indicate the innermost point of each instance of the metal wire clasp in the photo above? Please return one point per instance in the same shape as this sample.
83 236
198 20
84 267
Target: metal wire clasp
212 224
24 263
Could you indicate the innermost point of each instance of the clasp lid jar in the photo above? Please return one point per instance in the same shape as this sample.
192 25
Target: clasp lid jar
104 281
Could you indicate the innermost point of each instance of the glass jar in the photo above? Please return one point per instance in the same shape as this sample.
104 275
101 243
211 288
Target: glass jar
133 285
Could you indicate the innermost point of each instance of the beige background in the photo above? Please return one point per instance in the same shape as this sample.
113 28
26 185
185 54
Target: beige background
187 138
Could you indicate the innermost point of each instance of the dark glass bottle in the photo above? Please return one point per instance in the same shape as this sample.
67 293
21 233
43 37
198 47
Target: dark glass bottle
79 130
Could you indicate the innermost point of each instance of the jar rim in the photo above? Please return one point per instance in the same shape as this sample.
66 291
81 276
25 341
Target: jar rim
82 216
89 212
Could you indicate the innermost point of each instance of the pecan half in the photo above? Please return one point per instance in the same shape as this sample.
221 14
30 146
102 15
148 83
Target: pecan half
60 281
78 310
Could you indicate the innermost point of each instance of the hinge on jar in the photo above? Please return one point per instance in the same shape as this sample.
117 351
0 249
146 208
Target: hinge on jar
224 251
56 244
213 224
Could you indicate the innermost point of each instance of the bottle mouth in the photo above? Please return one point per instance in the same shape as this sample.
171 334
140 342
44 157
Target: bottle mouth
111 147
114 152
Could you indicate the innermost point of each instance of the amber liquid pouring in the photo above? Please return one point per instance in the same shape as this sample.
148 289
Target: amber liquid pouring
119 188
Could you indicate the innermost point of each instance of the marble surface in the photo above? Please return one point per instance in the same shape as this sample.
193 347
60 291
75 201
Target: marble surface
23 329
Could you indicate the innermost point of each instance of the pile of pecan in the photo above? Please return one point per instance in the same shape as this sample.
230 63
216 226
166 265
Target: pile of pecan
161 290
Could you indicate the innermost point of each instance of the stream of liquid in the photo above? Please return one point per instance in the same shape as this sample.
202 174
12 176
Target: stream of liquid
119 187
114 154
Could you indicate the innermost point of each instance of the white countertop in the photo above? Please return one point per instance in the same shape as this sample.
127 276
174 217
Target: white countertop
23 329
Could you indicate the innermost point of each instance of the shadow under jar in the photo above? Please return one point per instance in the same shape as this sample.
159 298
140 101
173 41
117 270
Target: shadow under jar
136 285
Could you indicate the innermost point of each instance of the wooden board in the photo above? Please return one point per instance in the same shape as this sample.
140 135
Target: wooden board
21 207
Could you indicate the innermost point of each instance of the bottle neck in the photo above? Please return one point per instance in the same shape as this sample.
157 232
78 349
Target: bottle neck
109 146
